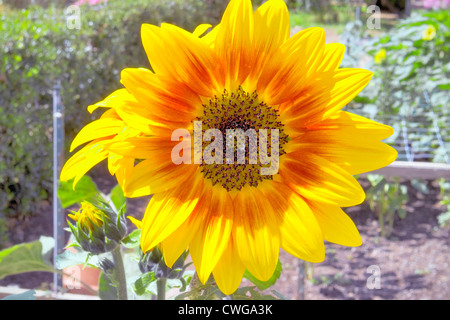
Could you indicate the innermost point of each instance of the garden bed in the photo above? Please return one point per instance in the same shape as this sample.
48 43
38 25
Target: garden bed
413 262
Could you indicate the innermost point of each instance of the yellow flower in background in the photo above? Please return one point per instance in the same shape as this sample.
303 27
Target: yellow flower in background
380 56
429 33
246 73
88 216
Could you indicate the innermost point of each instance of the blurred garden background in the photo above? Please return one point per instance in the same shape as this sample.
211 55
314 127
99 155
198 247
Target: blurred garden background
405 219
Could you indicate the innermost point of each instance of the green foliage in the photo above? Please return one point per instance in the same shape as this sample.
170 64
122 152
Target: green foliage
85 189
409 90
112 207
106 288
26 257
412 61
210 291
77 256
330 14
142 275
154 269
3 231
444 218
263 285
258 291
386 199
37 49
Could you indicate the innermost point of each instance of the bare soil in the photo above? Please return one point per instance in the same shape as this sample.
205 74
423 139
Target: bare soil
413 263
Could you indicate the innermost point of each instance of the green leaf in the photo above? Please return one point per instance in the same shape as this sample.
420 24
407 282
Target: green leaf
77 256
25 257
117 197
374 179
419 185
133 239
27 295
84 190
402 213
143 282
444 86
385 39
106 289
262 285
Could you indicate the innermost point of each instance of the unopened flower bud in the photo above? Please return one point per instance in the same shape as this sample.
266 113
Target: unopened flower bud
98 227
154 261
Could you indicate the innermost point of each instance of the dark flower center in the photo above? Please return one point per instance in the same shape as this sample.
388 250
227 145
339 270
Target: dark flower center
246 142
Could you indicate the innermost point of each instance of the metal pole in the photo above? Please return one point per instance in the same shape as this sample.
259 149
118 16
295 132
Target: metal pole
358 13
408 8
58 156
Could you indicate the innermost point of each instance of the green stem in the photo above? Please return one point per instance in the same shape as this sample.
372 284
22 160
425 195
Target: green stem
391 222
161 287
381 223
119 274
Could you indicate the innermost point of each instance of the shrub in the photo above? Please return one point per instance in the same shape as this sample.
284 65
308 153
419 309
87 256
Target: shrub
37 49
411 65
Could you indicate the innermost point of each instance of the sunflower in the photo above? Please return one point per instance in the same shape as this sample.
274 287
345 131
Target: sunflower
380 56
88 216
429 33
247 73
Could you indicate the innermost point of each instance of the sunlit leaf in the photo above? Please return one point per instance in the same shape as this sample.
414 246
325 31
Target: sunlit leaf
84 190
25 257
262 285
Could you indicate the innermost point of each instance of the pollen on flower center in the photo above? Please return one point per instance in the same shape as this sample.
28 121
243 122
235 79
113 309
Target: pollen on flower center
251 127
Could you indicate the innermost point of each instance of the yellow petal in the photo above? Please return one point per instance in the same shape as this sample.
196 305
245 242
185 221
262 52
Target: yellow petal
148 177
318 179
272 26
350 83
167 211
113 100
138 117
300 233
178 241
143 147
82 161
136 222
336 226
175 52
291 67
229 269
201 29
325 96
113 162
332 57
234 42
256 231
124 167
272 29
348 140
97 129
211 240
165 98
210 37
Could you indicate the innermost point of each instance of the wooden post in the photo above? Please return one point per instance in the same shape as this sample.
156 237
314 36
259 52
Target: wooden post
414 170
